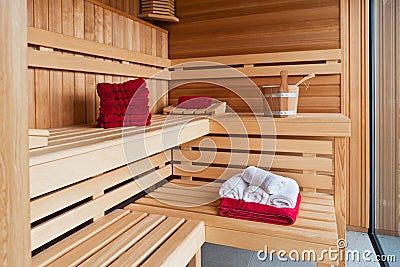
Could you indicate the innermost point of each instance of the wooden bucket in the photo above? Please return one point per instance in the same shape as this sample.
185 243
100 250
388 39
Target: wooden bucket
282 104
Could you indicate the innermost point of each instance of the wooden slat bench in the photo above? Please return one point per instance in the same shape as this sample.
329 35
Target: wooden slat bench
124 238
86 172
83 174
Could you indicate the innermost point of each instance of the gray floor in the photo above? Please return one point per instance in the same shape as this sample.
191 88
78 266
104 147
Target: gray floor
391 246
221 256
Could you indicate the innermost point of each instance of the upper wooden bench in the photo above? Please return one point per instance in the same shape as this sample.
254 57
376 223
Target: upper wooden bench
86 171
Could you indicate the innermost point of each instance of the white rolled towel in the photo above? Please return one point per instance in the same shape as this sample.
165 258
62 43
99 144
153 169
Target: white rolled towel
255 194
266 180
286 196
233 187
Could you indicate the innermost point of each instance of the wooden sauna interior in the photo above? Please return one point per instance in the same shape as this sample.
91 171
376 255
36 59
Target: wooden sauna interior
61 88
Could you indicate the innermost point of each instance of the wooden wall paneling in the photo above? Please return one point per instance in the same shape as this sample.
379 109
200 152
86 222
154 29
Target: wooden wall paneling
90 90
42 76
99 37
355 99
131 7
115 30
136 41
31 99
145 39
31 74
69 88
108 35
252 26
129 31
56 98
68 91
79 87
387 77
14 177
30 11
321 95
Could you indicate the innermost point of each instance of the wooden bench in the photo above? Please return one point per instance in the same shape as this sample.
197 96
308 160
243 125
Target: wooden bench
86 172
90 178
309 148
124 238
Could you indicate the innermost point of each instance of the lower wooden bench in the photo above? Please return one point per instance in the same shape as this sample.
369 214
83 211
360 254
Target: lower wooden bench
124 238
314 229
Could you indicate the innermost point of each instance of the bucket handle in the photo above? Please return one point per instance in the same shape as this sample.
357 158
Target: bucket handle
309 76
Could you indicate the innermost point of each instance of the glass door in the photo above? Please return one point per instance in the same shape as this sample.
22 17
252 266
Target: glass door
385 73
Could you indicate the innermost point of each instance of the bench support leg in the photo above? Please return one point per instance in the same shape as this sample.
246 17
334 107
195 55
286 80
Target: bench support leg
196 260
320 264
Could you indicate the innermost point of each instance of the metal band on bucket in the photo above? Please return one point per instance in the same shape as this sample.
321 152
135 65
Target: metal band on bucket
282 95
284 112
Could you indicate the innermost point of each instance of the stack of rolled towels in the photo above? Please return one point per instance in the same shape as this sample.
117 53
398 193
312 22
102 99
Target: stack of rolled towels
259 195
124 104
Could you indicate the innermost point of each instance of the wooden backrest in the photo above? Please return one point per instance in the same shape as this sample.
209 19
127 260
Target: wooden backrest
74 45
300 150
309 161
323 94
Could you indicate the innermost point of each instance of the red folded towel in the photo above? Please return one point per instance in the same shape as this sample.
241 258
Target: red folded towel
240 209
108 119
109 125
194 102
138 118
134 84
108 96
137 110
121 102
139 101
104 88
141 92
108 110
110 102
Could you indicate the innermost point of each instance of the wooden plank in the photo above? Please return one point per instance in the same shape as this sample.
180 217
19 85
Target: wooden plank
73 63
94 244
56 86
103 159
304 180
300 69
122 243
340 186
261 160
179 249
31 98
98 37
320 237
79 86
14 177
282 57
61 224
68 78
257 144
51 203
145 247
54 252
49 39
90 87
300 125
42 100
